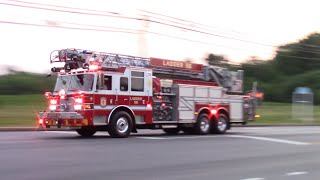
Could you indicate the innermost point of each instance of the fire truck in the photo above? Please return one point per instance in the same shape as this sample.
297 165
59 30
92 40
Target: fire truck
100 91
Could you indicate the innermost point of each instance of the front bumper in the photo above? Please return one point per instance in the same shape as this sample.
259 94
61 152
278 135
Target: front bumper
60 119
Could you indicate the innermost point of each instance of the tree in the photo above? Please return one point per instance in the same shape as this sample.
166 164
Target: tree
217 60
300 57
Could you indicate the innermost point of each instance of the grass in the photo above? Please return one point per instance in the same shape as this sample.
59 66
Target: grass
282 113
20 110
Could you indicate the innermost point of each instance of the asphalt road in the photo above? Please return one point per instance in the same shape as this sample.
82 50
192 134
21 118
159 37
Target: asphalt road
244 153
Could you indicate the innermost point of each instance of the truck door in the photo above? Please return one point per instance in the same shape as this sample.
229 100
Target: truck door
122 91
104 98
140 93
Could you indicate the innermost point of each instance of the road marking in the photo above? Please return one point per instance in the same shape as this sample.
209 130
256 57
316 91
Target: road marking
146 137
258 178
271 139
296 173
179 137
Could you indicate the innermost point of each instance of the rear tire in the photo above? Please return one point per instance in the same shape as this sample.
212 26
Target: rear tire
120 125
220 125
86 132
203 124
171 131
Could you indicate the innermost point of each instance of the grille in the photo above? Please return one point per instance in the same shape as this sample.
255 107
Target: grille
66 105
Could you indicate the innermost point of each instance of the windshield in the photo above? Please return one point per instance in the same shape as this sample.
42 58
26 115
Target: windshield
82 82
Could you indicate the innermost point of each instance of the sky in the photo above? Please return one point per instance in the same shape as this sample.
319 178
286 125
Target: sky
236 29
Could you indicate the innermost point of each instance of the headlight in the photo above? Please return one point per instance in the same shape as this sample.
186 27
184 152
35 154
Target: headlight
77 107
53 107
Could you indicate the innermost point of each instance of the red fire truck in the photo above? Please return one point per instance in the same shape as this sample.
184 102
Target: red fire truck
98 91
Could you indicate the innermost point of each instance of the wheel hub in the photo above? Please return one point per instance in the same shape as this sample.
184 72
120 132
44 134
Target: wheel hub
204 125
122 125
222 124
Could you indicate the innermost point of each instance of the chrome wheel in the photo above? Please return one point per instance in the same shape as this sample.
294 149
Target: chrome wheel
204 125
222 124
122 125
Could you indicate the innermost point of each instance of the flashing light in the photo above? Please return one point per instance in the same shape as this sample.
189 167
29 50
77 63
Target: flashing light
148 105
163 104
53 107
47 94
62 93
78 107
53 101
79 100
257 116
213 111
159 97
93 67
40 121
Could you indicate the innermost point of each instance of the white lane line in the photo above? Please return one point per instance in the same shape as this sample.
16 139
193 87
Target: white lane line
257 178
296 173
180 137
271 139
145 137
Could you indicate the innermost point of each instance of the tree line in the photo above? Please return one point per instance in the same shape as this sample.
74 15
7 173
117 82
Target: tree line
294 65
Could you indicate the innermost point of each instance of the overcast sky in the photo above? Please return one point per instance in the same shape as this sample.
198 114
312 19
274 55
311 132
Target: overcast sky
233 25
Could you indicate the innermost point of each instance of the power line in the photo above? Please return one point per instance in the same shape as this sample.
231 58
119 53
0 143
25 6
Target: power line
51 5
134 18
183 20
66 11
84 9
94 14
176 22
125 30
97 26
131 32
157 33
179 19
307 58
61 27
300 49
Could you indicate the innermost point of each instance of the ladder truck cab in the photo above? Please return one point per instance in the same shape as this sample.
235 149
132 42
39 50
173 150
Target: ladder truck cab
99 91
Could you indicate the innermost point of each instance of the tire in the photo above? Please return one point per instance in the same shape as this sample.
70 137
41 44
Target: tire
171 130
120 125
203 124
220 125
86 132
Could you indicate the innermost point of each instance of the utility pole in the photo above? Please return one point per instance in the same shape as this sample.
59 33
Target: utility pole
142 37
